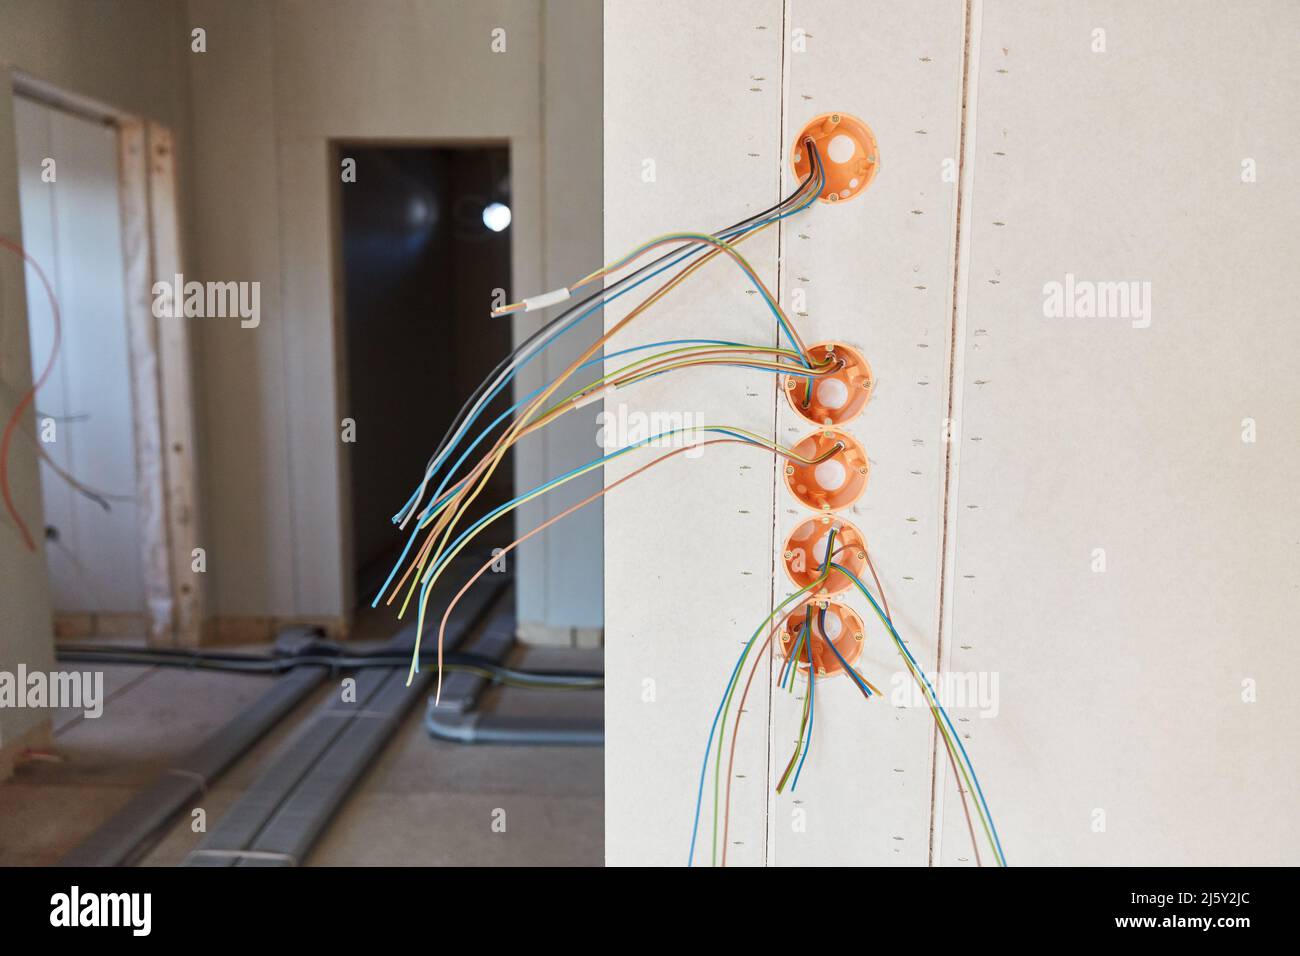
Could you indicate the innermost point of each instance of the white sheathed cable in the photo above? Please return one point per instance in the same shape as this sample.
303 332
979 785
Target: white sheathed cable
546 299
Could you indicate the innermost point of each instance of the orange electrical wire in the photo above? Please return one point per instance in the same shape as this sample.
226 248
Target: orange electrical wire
483 470
29 395
667 365
442 626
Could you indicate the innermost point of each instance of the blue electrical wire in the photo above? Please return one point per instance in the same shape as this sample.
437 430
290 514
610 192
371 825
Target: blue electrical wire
599 305
812 710
483 434
939 706
437 495
537 391
495 512
699 795
788 666
821 622
708 747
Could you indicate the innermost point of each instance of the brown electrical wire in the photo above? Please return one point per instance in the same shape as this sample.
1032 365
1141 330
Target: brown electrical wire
29 396
442 626
730 357
731 759
735 727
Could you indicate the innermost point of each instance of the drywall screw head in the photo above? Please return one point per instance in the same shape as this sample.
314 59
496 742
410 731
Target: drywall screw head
789 469
790 383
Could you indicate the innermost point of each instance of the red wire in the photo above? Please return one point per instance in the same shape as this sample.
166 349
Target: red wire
29 396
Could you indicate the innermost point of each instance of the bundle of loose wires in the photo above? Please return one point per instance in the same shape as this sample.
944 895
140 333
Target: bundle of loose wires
451 499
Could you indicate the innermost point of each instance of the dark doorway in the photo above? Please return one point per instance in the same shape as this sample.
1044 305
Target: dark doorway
425 241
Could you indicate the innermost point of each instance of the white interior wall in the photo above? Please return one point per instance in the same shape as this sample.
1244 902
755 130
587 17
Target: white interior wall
1118 691
279 82
1122 690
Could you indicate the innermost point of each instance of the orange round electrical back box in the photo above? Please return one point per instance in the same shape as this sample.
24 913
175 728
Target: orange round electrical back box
805 553
848 152
833 483
843 628
836 397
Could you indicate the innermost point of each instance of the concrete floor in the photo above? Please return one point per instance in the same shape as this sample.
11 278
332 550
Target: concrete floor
422 802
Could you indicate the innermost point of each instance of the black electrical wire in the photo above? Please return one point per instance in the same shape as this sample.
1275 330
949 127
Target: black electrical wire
278 664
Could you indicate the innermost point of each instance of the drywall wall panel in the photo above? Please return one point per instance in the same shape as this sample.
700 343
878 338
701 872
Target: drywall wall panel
26 634
560 587
1124 506
692 140
875 273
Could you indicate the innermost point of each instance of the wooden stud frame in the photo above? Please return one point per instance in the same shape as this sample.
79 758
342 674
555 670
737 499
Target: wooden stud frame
161 368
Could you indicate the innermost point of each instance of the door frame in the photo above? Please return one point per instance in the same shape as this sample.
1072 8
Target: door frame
334 148
161 366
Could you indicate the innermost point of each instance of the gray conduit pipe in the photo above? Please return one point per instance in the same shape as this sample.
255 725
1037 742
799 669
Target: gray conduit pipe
480 728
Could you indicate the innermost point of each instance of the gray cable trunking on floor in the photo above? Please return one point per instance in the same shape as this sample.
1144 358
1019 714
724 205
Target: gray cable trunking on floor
119 840
281 815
